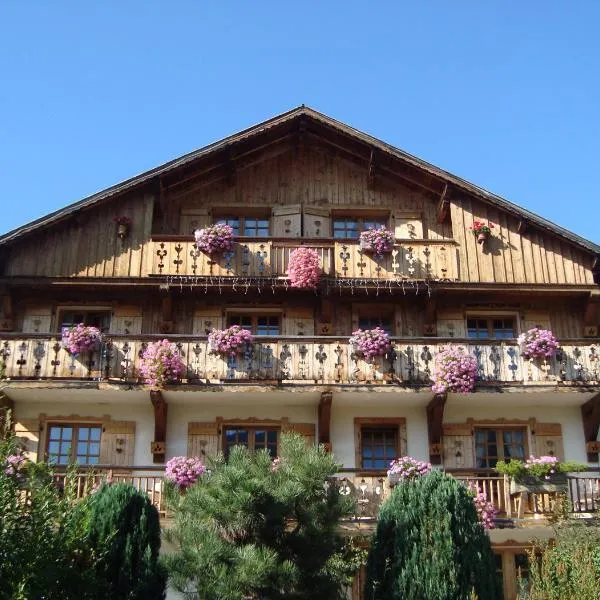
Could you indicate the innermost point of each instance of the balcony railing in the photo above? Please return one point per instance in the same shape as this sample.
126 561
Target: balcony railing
370 490
298 360
268 257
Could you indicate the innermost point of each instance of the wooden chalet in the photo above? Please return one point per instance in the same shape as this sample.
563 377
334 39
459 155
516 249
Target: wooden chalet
304 179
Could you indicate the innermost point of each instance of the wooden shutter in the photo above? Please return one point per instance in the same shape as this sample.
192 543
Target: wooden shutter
299 320
451 323
458 439
316 222
207 318
127 320
548 440
117 443
192 219
306 430
37 319
287 221
203 439
536 318
27 432
407 226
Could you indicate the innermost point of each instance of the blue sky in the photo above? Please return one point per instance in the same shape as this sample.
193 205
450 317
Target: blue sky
505 94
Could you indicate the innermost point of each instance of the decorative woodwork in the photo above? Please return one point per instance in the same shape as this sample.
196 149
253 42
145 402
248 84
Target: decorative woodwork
160 426
590 414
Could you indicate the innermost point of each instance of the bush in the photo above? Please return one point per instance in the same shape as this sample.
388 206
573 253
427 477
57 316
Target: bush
257 528
429 544
124 528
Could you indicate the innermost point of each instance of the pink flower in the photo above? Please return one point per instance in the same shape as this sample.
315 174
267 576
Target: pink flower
486 511
454 371
378 238
81 338
409 468
538 343
161 363
184 471
229 341
370 342
304 268
215 239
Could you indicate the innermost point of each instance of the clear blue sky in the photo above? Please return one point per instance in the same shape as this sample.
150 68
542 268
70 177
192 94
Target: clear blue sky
505 94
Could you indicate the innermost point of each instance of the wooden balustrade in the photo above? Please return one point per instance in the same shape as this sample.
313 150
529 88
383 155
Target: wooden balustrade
296 360
266 257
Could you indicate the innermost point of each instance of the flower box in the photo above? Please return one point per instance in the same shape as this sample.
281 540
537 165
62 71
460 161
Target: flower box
556 483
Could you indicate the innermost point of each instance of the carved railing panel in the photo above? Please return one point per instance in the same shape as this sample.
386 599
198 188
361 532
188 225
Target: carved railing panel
298 360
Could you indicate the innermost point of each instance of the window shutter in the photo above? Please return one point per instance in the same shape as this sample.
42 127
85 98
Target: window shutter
306 430
27 432
548 440
536 318
37 319
192 219
451 323
298 320
203 439
207 318
287 221
458 446
407 226
127 320
117 443
316 222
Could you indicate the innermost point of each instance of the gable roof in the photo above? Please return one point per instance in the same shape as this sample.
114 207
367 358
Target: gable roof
301 112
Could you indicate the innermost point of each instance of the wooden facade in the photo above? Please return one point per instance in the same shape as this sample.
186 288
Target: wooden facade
304 178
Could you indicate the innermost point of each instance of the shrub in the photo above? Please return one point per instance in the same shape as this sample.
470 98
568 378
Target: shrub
124 529
161 363
304 269
429 544
454 370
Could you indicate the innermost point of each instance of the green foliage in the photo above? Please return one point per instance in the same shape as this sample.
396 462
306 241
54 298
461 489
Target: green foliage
124 528
430 545
43 538
568 568
256 529
516 469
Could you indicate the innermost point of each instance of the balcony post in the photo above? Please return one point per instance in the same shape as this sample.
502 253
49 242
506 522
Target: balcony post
158 446
435 420
324 413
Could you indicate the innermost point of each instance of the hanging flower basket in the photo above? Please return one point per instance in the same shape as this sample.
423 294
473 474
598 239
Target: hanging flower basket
215 239
370 343
304 268
184 471
407 468
377 239
81 338
229 341
161 363
538 343
481 231
454 370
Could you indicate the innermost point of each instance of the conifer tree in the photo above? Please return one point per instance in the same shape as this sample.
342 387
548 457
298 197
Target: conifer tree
254 528
430 545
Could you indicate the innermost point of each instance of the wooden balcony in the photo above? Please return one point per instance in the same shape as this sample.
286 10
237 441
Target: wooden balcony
297 360
413 260
371 489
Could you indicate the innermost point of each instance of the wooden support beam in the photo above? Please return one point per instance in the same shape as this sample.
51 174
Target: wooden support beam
158 445
596 269
591 315
371 170
230 168
435 429
444 205
590 415
324 413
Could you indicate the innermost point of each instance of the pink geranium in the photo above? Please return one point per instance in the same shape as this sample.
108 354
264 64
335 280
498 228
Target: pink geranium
408 468
377 239
229 341
161 363
486 511
215 239
370 342
304 269
184 471
454 371
81 338
538 343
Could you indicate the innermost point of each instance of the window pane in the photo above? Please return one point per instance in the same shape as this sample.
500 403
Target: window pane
345 228
267 325
55 432
67 433
379 446
95 434
94 449
84 433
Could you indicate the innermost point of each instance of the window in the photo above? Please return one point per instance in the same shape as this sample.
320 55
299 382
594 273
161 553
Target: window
492 445
248 226
379 446
522 571
499 572
262 438
386 322
490 328
257 324
96 318
71 443
350 227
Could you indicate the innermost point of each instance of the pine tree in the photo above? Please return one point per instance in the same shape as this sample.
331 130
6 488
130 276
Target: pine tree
124 531
430 545
253 528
